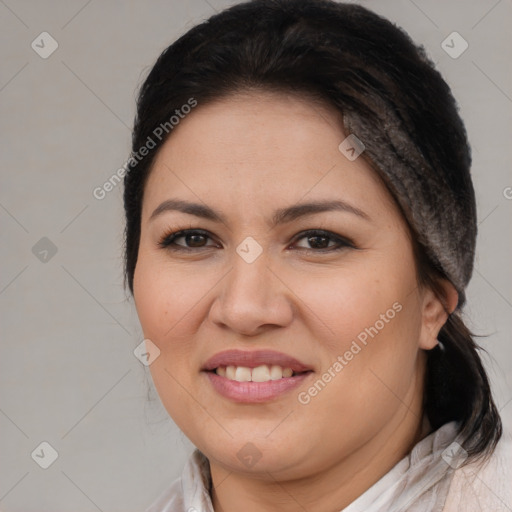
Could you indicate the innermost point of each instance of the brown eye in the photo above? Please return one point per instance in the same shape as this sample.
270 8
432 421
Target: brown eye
319 240
191 239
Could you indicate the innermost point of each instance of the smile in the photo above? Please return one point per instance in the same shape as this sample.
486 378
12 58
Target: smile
262 373
254 376
253 391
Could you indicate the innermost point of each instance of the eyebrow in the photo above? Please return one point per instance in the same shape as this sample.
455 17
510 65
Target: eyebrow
280 216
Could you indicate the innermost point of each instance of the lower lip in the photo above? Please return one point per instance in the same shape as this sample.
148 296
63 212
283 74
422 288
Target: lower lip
254 392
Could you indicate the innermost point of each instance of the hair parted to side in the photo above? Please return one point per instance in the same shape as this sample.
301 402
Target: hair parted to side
368 69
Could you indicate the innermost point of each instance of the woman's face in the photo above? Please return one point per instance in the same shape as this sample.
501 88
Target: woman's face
333 287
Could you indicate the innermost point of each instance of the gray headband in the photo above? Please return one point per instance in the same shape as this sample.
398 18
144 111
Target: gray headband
443 218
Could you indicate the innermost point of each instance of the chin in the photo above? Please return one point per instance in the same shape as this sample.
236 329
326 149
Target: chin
256 455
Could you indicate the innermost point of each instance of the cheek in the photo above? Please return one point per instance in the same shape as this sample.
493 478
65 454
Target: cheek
167 299
372 380
347 304
368 322
168 302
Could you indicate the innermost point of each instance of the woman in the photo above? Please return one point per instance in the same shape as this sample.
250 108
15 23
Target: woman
300 231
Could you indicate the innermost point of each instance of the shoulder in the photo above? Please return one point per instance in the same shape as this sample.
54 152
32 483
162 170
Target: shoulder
483 486
190 492
171 500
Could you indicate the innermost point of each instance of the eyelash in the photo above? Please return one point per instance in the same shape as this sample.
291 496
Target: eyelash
167 241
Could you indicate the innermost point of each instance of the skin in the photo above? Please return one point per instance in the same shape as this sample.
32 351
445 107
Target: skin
245 156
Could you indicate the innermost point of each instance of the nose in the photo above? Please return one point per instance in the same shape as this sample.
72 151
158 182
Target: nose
252 298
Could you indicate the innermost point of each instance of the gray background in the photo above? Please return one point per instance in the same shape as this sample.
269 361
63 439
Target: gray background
68 375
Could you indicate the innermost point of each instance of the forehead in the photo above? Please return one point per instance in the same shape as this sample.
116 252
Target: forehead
260 150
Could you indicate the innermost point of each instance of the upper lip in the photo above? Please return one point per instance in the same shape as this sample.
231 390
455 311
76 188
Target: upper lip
253 358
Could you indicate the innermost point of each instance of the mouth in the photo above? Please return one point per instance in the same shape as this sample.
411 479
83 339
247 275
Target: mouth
254 376
261 373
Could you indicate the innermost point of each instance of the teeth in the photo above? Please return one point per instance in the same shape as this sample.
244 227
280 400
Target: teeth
230 372
242 374
287 372
276 372
262 373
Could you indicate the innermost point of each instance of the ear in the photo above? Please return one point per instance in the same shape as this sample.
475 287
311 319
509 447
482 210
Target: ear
435 311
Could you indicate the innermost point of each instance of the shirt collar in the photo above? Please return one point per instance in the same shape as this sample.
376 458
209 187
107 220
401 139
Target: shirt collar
422 477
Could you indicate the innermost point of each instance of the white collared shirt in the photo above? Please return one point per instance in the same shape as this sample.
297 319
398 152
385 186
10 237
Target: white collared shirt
428 479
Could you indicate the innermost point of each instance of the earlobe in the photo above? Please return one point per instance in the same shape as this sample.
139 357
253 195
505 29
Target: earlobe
436 310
